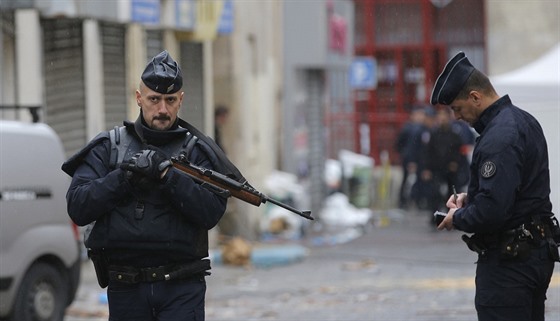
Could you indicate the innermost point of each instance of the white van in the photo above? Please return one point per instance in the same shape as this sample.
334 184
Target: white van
39 246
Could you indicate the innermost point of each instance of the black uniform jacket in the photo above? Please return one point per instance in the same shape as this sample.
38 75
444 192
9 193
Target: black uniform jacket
510 179
163 224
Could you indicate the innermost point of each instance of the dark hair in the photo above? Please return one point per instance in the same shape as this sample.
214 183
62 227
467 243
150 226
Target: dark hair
477 81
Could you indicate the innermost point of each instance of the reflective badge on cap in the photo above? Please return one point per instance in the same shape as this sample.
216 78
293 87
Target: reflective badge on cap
488 169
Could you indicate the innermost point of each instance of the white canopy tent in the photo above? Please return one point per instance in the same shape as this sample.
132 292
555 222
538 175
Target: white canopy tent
536 89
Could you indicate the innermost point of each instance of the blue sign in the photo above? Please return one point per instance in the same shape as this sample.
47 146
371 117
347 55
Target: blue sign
185 14
145 11
225 25
363 73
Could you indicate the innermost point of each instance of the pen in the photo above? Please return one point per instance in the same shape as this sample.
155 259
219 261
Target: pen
454 193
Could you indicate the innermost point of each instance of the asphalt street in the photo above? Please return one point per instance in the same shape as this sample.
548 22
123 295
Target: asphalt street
404 270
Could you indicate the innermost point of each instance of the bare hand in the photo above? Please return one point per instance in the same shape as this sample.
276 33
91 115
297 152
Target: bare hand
453 203
447 222
461 200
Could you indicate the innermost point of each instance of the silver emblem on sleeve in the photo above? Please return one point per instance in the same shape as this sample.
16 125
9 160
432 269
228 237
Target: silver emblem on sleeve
488 169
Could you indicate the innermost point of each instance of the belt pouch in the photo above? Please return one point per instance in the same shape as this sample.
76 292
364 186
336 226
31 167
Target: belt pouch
101 266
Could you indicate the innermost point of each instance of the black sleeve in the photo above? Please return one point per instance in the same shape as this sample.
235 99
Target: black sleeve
95 188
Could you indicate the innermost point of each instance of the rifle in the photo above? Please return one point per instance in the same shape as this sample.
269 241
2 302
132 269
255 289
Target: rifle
226 187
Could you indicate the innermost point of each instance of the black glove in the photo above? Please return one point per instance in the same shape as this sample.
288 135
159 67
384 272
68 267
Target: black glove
148 163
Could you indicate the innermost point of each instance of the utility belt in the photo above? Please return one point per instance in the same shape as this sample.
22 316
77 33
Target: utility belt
518 242
133 275
175 272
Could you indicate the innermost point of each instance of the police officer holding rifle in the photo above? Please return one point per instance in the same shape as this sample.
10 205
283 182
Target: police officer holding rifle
147 221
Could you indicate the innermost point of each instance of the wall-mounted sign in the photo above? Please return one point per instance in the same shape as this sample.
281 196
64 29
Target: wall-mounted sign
363 73
225 25
145 11
185 14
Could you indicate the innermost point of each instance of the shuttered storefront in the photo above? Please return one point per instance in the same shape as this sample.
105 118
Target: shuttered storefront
114 73
64 81
154 42
193 85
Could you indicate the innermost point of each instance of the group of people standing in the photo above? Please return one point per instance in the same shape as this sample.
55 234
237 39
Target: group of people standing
435 150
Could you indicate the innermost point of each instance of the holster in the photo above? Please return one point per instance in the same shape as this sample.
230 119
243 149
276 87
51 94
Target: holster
515 244
555 229
511 244
101 266
474 244
551 234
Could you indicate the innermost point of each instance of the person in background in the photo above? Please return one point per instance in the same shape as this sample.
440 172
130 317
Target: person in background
424 190
507 205
221 114
444 158
468 137
409 145
149 235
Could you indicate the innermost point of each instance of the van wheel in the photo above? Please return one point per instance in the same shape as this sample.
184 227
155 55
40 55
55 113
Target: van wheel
42 295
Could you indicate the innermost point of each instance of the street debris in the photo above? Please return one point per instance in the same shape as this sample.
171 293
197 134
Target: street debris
237 251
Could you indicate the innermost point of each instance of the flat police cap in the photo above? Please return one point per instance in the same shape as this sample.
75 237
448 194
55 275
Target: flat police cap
454 76
162 74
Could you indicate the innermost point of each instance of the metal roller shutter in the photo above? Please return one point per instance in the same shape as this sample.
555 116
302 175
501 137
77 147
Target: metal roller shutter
114 73
192 66
154 42
64 81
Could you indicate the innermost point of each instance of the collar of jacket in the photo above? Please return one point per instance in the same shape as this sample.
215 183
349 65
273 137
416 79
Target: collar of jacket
150 136
491 112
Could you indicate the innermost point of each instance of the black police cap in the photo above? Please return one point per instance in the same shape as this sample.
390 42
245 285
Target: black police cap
162 74
450 82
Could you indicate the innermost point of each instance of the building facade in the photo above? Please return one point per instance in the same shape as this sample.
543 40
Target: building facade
80 62
409 40
285 69
318 50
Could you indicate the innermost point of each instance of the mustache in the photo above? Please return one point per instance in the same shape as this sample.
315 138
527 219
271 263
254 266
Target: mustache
162 117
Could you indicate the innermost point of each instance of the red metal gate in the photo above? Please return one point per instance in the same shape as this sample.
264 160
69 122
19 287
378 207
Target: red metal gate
409 40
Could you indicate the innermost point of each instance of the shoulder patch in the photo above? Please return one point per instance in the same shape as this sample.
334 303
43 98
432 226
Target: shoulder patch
488 169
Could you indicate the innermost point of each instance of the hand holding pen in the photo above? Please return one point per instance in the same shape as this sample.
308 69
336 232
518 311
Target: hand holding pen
445 220
456 200
454 194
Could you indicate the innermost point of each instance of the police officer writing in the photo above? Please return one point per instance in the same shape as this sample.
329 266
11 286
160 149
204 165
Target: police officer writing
507 205
147 223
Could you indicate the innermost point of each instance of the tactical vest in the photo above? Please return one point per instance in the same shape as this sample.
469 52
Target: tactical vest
113 231
124 146
217 157
143 221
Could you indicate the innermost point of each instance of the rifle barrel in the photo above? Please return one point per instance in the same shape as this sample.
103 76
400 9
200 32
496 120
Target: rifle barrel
305 214
233 188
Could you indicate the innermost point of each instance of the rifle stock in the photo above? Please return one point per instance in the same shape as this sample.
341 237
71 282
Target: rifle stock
223 185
